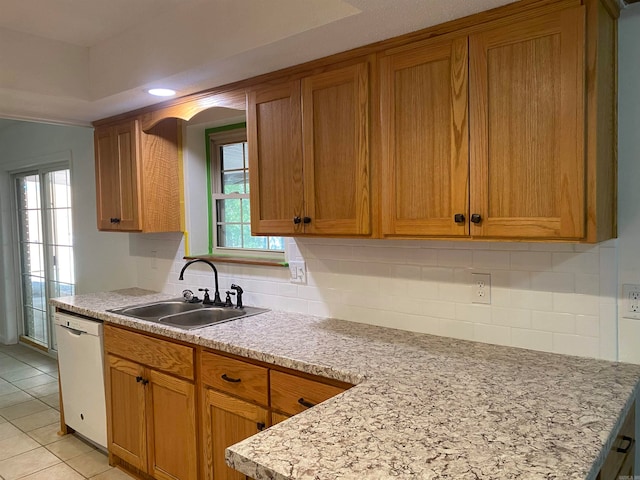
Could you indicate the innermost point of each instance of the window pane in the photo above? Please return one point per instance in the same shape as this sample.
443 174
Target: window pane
233 182
253 242
59 188
276 243
63 229
29 191
232 156
246 211
34 294
230 236
32 259
30 226
63 264
61 289
229 211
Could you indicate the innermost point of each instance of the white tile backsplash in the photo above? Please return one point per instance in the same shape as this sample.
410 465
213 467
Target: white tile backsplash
546 297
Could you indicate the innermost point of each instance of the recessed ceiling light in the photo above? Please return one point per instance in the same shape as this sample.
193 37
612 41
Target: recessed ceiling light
162 92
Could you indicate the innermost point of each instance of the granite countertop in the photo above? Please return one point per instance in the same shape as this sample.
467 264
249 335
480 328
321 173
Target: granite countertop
424 407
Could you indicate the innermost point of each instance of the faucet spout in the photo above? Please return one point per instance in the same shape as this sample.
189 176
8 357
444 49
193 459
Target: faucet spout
216 295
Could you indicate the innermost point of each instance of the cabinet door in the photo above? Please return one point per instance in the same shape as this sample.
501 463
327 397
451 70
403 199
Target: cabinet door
277 417
117 160
335 125
274 133
527 128
127 138
171 427
107 179
227 420
126 403
425 145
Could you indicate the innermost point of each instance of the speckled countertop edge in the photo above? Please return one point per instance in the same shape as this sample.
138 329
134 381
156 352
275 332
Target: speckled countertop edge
392 365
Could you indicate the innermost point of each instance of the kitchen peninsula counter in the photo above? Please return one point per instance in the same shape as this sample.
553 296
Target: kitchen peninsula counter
424 407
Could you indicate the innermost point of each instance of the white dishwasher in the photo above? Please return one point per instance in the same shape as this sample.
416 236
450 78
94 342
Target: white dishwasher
81 364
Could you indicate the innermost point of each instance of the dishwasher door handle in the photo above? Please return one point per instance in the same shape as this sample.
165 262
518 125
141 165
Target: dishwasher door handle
73 331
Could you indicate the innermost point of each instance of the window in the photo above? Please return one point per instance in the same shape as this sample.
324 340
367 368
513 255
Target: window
230 208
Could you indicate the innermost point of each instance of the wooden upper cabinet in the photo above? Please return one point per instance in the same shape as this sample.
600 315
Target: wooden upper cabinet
117 153
335 124
309 155
425 163
527 156
137 177
274 134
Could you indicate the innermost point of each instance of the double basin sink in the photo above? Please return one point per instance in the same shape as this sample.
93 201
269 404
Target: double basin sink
182 314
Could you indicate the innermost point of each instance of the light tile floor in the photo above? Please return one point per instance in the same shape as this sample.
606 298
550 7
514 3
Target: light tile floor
30 447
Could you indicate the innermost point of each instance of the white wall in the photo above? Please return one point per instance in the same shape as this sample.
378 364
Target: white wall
629 172
103 260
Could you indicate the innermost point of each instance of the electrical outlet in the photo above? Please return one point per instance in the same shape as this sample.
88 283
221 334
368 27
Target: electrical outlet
298 272
481 288
631 297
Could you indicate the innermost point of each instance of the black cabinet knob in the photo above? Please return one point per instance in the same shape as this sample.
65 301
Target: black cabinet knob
260 426
476 218
297 220
458 218
306 220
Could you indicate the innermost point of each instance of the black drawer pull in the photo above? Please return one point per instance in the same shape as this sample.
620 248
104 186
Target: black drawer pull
304 403
458 218
625 449
229 379
260 426
138 379
297 220
476 218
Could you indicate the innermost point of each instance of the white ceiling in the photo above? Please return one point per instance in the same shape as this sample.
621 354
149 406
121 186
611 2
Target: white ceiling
75 61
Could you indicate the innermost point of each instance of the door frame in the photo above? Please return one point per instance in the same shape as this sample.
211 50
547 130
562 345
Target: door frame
40 166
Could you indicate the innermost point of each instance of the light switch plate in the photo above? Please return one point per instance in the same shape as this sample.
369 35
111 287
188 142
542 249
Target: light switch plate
298 272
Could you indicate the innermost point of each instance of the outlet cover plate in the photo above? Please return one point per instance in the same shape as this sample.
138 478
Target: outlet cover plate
481 288
631 301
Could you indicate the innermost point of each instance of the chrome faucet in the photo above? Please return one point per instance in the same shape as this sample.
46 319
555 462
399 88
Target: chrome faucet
216 295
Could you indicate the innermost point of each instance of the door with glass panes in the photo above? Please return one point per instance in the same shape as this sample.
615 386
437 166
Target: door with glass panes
45 248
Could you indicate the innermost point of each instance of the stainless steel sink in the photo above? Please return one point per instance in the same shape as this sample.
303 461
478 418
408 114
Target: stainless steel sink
181 314
202 318
160 309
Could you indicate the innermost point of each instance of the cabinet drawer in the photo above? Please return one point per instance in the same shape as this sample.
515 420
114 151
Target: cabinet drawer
623 447
291 394
236 377
153 352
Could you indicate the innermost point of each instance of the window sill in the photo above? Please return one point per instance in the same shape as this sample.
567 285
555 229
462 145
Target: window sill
266 262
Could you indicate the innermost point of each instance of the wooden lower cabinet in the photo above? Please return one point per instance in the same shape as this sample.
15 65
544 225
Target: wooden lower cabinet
127 412
171 427
621 459
277 417
151 405
152 420
227 420
157 427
